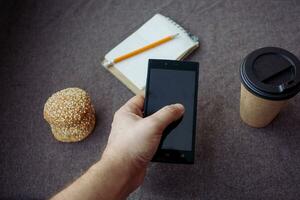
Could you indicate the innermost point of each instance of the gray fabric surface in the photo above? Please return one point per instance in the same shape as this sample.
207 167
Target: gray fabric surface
46 46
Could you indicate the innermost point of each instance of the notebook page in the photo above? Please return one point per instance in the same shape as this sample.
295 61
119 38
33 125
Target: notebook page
158 27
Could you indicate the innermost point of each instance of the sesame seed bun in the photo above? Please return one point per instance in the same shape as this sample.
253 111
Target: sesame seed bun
70 114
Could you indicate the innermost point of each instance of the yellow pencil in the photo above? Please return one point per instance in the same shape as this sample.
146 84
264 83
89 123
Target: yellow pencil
145 48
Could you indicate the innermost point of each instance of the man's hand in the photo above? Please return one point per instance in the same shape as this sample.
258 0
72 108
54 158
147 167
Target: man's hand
134 139
131 145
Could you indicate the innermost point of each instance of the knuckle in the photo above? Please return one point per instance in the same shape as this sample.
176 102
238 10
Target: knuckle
154 119
117 113
171 109
156 123
135 109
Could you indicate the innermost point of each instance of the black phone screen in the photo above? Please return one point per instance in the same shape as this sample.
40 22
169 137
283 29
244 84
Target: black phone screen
172 82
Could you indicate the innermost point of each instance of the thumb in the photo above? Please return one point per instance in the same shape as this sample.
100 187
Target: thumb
165 116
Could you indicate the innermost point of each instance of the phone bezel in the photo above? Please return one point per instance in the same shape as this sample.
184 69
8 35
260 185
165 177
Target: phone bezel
170 155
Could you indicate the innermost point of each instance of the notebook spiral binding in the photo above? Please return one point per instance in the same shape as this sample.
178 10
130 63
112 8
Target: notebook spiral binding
193 37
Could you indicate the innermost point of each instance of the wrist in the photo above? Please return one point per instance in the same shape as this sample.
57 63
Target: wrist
122 178
114 182
125 162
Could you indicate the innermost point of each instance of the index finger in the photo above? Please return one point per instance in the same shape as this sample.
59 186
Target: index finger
134 105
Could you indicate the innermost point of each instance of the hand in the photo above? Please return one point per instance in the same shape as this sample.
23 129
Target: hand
134 140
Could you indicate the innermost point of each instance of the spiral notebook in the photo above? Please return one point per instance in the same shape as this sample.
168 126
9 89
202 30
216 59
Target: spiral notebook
133 71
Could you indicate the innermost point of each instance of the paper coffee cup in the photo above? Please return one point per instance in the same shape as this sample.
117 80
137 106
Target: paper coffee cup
270 76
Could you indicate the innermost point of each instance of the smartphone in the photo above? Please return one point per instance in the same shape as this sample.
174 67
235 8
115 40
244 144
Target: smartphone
170 82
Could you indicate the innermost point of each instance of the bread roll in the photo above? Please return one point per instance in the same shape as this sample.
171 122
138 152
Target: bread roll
70 114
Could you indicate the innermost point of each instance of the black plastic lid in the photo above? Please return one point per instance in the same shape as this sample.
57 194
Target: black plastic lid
271 73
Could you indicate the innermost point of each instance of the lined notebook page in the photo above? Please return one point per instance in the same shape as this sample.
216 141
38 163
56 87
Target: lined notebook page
158 27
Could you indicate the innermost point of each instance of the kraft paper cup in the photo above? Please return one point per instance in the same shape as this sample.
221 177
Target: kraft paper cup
270 76
256 111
